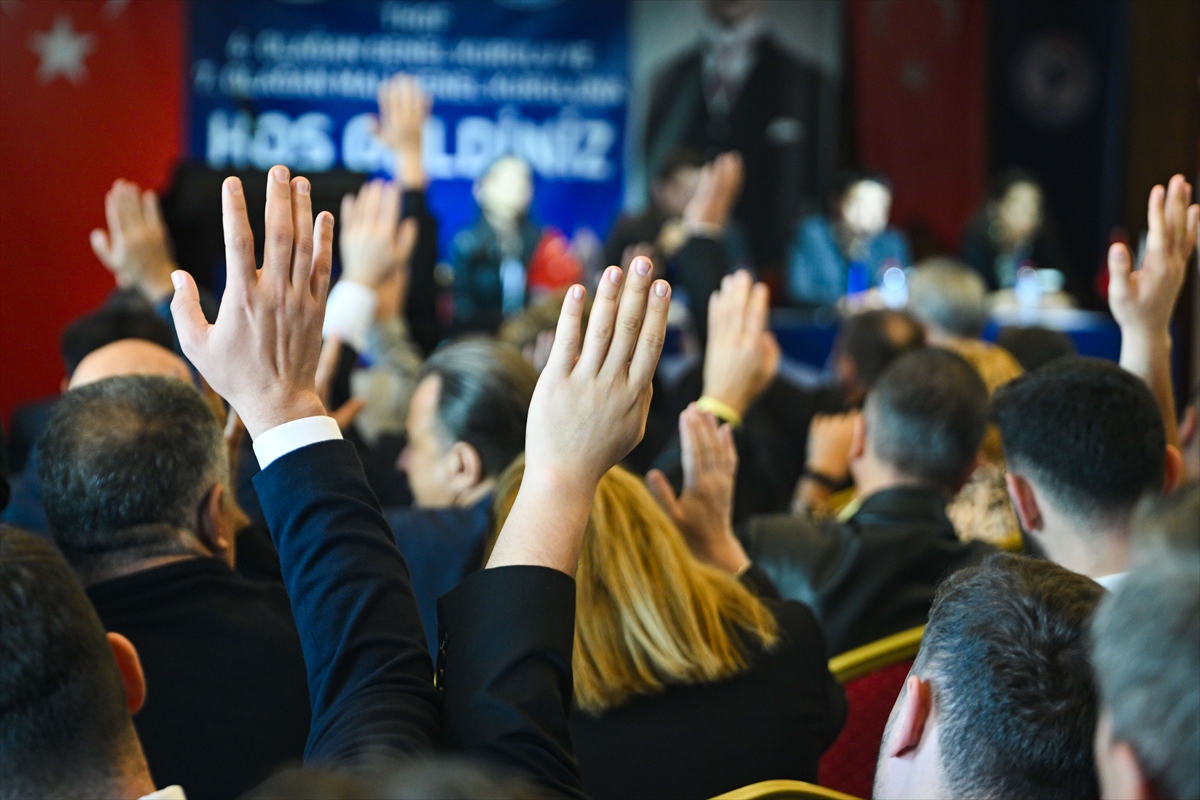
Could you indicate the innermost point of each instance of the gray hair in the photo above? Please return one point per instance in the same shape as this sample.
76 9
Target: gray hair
484 398
950 295
1146 655
124 465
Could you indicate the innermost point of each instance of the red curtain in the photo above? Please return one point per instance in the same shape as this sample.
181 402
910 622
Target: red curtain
920 101
89 91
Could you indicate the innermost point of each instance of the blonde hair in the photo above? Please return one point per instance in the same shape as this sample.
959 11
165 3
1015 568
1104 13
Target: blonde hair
647 613
996 366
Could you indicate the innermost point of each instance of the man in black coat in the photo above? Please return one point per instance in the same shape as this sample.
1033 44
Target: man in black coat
872 571
740 90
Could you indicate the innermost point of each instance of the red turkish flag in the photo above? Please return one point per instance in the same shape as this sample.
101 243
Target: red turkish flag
90 91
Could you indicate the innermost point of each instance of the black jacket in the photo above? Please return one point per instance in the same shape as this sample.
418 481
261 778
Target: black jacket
226 701
772 721
871 576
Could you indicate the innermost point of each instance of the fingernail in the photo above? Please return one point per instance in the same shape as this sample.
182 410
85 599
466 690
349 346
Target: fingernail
302 185
280 174
577 292
235 186
177 280
642 265
614 276
661 288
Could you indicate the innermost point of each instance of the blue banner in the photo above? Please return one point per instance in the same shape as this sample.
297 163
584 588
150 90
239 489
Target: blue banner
295 81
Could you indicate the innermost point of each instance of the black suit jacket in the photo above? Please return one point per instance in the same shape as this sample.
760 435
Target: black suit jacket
226 701
772 721
871 576
773 124
505 647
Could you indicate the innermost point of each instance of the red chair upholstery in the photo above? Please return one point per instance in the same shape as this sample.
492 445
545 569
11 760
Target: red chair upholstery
849 763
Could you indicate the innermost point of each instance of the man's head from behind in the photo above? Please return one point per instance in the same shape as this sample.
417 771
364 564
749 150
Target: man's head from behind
1085 442
1000 702
134 468
922 423
112 324
1146 655
867 344
949 298
466 421
66 688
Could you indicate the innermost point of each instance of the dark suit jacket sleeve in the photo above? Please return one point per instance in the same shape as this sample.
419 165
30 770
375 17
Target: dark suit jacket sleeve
505 668
370 678
421 307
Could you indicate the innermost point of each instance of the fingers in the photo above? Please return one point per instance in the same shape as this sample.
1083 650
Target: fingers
389 204
280 230
652 336
322 261
302 224
327 363
728 447
1154 216
151 212
111 217
660 487
406 239
1120 266
601 321
702 428
191 327
757 310
128 204
239 240
565 350
346 413
630 313
98 239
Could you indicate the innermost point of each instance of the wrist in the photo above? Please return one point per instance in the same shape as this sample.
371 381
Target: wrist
268 413
726 408
410 168
157 285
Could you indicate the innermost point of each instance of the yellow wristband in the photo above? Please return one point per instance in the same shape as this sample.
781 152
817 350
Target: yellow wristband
722 411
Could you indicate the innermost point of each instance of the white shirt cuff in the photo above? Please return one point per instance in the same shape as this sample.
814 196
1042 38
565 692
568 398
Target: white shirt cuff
283 439
349 313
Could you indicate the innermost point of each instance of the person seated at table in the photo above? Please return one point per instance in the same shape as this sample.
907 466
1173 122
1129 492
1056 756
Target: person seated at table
687 684
849 247
670 191
1000 702
871 572
466 424
1146 656
1013 229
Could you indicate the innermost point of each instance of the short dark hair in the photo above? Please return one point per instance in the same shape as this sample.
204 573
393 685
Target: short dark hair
874 339
1087 432
124 465
681 157
483 398
926 416
64 725
385 778
1006 647
1034 346
1146 654
112 324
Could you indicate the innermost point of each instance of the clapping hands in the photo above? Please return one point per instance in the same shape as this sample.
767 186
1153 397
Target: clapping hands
261 354
136 247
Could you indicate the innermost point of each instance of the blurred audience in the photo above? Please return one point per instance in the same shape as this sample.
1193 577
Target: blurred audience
872 571
1034 346
847 249
671 189
1000 701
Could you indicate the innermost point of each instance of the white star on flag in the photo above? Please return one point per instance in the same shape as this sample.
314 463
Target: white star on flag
62 51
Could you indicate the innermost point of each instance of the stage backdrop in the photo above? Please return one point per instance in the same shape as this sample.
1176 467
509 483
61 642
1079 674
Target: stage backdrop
295 83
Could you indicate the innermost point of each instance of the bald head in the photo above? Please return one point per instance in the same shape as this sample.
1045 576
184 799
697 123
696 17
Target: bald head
129 357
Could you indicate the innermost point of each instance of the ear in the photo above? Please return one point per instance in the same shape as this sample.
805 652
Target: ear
64 385
1172 469
847 376
130 667
911 712
466 466
858 437
1117 766
214 533
1024 502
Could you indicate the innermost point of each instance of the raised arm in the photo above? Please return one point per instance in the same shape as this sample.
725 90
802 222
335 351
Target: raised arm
369 673
1143 301
135 248
507 631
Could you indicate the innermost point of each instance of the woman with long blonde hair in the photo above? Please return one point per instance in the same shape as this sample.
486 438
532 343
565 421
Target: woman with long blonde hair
686 682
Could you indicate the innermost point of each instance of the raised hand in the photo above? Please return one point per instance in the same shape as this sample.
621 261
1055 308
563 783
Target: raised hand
375 244
261 354
1142 301
741 357
830 440
588 411
327 364
720 184
403 109
136 247
703 512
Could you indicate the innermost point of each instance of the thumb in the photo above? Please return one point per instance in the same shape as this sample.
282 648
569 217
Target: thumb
660 487
101 247
190 325
1120 266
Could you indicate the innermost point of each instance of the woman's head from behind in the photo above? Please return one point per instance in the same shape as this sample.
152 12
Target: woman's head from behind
648 614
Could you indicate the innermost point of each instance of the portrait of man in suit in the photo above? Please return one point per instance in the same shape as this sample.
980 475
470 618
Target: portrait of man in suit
739 88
